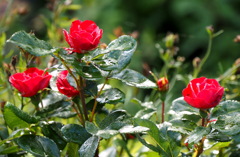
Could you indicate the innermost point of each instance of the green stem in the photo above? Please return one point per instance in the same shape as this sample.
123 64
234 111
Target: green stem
95 101
79 114
163 108
197 70
82 97
22 103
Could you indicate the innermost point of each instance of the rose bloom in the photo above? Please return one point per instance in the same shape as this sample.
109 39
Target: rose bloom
29 82
203 93
64 86
83 37
163 84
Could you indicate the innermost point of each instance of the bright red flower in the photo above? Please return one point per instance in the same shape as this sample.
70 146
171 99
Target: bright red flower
203 93
84 36
29 82
163 84
64 86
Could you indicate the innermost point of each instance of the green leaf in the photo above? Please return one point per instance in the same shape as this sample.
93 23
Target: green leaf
31 44
183 126
55 106
75 133
228 124
130 129
91 88
217 146
89 147
228 107
218 136
117 54
15 134
87 71
133 78
5 149
72 149
198 134
145 113
112 131
38 145
168 143
52 130
111 96
113 117
16 118
181 110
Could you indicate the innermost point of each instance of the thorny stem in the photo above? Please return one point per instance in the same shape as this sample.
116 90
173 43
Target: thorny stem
95 101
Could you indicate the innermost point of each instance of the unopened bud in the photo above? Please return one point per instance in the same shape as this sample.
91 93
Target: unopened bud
163 84
170 40
210 30
196 62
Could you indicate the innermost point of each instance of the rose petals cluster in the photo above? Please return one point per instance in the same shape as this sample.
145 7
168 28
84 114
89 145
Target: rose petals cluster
203 93
29 82
84 36
64 86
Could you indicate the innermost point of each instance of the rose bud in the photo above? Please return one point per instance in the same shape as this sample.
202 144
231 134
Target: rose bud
30 81
83 37
64 86
163 84
203 93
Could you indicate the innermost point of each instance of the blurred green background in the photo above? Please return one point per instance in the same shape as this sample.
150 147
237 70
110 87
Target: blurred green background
151 19
148 20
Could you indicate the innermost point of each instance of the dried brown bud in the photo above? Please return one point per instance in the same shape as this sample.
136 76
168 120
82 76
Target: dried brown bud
237 64
196 62
237 39
118 31
103 46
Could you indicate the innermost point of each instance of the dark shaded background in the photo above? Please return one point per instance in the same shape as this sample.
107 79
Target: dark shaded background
151 19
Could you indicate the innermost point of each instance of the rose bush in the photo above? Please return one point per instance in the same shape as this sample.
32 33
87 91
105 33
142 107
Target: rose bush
29 82
64 86
103 118
203 93
84 36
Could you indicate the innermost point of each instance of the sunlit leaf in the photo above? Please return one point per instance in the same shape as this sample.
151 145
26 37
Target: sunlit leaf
111 96
134 78
198 134
16 118
89 147
31 44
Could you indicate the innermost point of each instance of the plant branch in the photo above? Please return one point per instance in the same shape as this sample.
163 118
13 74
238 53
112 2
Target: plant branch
95 101
82 97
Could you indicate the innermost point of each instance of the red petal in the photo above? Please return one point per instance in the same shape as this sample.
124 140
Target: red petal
75 26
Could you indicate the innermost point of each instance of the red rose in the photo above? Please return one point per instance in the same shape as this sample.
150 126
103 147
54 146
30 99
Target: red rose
203 93
64 86
163 84
30 81
83 36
